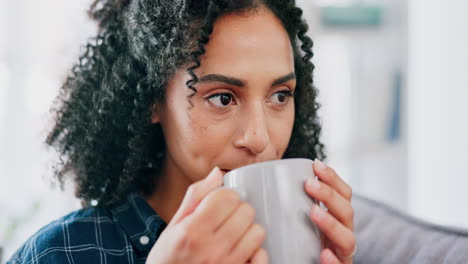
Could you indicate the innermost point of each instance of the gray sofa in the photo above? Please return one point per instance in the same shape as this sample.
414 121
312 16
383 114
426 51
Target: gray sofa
385 235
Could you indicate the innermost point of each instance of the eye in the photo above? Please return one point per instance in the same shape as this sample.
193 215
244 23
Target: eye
281 97
222 99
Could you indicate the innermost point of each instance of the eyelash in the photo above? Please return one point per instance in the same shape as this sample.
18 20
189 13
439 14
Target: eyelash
288 94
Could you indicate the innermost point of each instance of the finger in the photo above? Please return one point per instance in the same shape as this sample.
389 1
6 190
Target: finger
341 237
195 194
249 243
329 176
214 210
236 225
260 257
328 257
337 205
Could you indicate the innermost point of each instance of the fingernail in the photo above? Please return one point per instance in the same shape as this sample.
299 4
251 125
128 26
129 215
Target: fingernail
318 212
313 184
320 164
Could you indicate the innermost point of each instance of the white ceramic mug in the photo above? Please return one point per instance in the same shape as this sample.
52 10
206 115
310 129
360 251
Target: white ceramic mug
276 190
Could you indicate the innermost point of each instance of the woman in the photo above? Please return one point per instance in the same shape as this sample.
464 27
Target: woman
168 93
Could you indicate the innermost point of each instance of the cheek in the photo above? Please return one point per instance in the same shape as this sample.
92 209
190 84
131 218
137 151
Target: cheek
195 141
187 135
281 130
210 137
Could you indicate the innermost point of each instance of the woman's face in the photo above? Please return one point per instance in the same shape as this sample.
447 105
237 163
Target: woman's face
243 111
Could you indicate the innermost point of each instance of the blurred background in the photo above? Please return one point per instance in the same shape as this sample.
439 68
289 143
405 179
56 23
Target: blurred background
393 81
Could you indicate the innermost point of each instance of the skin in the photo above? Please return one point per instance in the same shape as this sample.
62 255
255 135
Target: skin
249 57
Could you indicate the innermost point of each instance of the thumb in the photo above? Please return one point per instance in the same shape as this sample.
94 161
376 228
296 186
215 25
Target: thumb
196 192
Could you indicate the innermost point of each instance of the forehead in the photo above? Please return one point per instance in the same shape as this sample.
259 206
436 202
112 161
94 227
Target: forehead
242 44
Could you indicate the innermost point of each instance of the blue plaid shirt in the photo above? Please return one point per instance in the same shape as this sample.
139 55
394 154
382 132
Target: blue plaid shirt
121 234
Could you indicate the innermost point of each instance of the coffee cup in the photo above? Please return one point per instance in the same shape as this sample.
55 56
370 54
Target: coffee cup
276 191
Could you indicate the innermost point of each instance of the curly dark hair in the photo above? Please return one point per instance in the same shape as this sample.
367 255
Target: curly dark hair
103 131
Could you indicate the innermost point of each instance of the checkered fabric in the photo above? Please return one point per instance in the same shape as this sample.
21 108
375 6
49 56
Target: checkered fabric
121 234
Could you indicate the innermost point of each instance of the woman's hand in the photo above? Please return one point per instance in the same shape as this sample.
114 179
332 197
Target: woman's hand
336 224
212 225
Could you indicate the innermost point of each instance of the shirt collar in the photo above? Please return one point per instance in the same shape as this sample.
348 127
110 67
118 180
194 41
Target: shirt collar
139 221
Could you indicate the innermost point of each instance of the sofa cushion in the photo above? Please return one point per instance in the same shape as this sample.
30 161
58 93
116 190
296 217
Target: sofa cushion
385 235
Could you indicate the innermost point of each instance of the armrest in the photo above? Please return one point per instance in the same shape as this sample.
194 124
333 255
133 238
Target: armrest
386 235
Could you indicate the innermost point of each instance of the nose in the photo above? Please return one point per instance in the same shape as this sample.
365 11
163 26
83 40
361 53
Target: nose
253 131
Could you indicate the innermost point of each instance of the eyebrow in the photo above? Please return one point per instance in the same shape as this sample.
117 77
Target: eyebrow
240 83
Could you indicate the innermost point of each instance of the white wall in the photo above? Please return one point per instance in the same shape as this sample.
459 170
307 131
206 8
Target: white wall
437 111
39 41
